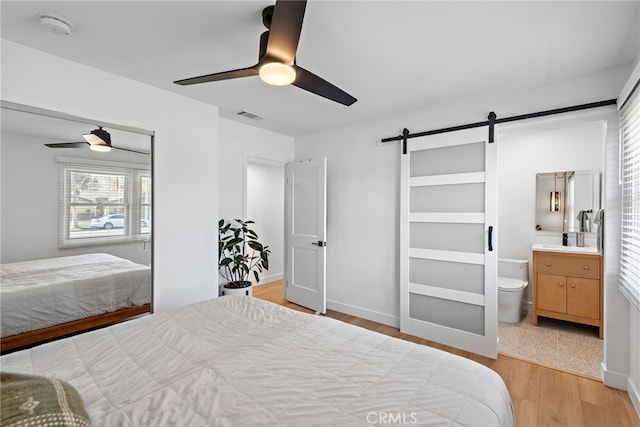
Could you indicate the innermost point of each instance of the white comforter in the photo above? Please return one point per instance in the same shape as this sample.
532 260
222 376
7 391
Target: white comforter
239 361
41 293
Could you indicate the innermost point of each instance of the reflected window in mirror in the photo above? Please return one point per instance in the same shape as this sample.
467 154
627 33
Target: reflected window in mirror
100 203
567 201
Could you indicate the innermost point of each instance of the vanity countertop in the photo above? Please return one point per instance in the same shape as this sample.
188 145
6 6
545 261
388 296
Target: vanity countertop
543 247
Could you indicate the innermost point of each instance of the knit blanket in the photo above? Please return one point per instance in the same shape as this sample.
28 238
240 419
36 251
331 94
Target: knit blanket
34 401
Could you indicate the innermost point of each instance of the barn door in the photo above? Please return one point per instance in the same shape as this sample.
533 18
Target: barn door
448 253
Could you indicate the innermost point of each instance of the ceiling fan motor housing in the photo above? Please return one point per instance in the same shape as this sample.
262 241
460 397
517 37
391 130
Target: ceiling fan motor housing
267 14
102 134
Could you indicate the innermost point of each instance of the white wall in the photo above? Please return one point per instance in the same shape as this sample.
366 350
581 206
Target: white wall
265 206
238 143
363 183
29 201
185 161
362 219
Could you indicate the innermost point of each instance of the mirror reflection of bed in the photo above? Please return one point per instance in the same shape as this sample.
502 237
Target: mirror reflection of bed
75 226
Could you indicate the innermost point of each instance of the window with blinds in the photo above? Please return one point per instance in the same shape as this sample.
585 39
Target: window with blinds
101 204
630 181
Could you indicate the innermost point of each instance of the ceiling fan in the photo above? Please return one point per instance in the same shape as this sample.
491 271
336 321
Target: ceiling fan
98 140
277 56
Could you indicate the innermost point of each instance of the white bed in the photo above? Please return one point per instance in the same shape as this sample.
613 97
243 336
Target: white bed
42 293
240 361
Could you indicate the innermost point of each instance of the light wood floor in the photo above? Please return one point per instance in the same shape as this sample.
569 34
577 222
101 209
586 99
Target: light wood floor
541 396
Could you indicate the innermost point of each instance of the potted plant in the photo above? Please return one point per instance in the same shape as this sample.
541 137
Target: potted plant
239 254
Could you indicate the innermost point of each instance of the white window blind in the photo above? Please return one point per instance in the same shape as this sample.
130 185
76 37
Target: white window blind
630 181
101 204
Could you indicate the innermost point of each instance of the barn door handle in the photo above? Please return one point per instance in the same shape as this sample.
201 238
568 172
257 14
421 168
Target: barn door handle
491 238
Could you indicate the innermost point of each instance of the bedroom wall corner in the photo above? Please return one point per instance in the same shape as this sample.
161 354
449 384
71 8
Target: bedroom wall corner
185 158
238 141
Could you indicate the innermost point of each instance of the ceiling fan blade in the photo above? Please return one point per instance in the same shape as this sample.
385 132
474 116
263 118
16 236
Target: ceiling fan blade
225 75
129 149
284 32
308 81
67 144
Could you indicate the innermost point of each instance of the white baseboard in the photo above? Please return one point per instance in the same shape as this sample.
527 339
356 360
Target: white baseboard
364 313
634 395
621 382
270 278
613 379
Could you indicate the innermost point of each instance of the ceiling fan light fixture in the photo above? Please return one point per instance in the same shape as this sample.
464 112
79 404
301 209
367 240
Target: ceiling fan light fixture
277 73
103 148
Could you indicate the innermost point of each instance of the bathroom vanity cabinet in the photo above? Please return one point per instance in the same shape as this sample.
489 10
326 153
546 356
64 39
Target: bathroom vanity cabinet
568 286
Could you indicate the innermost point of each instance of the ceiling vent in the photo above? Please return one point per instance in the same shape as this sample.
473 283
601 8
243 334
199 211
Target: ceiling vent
249 115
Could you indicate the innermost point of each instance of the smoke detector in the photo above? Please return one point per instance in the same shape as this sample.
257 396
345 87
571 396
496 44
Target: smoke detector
55 24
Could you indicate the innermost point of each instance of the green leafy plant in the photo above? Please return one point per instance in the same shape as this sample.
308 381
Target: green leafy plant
240 253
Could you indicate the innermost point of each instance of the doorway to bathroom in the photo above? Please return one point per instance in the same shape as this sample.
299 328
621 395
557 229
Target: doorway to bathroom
562 143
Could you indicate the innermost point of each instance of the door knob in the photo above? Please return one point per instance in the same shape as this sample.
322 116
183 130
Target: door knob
548 264
586 267
573 286
319 243
560 284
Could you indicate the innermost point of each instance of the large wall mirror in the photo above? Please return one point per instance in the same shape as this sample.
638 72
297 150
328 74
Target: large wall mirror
76 222
567 201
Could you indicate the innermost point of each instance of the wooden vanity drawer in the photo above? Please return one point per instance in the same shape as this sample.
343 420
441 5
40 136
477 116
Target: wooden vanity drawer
569 265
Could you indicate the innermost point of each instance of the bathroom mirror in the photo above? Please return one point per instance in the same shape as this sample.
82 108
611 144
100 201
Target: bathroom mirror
76 223
567 201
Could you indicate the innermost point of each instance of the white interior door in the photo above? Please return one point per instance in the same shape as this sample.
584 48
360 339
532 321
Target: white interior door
305 233
448 252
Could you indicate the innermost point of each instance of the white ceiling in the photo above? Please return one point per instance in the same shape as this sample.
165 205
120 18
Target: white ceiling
394 56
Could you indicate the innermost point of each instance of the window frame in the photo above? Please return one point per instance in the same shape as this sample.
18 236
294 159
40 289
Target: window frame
133 173
629 181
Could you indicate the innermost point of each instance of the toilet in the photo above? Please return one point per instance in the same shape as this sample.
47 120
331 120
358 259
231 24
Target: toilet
513 278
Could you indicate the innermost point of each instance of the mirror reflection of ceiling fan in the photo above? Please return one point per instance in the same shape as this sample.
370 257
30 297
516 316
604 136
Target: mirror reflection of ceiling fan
277 56
97 140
